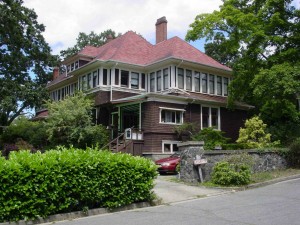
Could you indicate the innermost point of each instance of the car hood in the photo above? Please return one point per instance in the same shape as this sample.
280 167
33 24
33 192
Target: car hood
166 160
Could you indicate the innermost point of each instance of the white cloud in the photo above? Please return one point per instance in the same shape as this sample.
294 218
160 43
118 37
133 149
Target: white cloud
65 19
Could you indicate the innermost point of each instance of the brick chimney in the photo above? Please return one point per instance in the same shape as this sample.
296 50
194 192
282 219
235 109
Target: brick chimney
109 38
161 29
55 73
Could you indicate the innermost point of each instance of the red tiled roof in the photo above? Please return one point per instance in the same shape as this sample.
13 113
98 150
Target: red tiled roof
133 49
89 51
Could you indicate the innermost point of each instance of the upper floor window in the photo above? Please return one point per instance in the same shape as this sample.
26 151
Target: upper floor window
219 85
95 75
134 80
105 77
211 84
158 80
197 81
116 76
166 79
171 116
204 82
124 78
189 80
226 81
143 81
180 78
152 82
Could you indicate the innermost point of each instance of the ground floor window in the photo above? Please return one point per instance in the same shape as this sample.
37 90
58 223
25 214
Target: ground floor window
210 117
169 146
171 116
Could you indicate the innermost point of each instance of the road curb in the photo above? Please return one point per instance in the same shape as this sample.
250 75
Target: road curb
80 214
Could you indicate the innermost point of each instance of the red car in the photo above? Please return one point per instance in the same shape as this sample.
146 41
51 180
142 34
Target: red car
169 164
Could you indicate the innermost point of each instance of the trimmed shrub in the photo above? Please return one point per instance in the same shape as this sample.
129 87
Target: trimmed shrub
65 180
227 174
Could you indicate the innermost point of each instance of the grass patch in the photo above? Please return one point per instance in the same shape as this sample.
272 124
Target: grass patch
265 176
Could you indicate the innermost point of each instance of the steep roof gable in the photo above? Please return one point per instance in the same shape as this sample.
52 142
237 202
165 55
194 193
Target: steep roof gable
129 48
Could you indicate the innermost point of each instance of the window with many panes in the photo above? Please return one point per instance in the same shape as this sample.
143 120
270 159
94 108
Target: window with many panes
171 116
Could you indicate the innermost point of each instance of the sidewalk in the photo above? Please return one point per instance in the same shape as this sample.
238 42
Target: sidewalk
171 192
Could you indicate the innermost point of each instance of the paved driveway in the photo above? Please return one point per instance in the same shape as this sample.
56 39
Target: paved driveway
171 192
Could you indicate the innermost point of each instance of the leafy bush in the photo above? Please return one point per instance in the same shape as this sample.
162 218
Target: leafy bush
293 155
228 174
254 134
70 123
211 138
33 132
64 180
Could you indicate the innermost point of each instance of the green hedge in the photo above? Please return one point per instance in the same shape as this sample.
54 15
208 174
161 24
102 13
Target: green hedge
65 180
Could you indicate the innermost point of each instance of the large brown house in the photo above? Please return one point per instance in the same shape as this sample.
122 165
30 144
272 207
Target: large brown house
151 89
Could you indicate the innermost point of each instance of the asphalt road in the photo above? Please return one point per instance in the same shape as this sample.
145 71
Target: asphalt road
275 204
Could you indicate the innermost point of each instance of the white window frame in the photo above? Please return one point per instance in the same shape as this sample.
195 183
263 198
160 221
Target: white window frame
171 109
171 143
210 116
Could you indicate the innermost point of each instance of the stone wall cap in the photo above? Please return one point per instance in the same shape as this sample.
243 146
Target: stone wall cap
191 143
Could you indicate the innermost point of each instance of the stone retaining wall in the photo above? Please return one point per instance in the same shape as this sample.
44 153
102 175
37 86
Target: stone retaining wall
263 161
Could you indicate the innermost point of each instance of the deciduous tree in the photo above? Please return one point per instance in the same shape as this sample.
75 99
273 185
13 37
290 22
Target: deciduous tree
92 39
24 60
260 40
